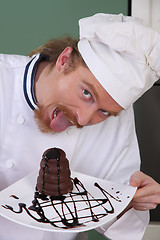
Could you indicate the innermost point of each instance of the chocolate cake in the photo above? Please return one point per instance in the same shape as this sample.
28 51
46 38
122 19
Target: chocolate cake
54 174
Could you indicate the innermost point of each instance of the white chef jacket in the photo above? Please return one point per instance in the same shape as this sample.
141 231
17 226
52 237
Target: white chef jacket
108 150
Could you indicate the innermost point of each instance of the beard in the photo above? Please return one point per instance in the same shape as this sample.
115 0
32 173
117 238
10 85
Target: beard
44 124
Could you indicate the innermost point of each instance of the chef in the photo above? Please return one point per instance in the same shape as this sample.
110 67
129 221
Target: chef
80 100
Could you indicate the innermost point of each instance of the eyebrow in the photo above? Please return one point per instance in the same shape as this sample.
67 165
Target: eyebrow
91 86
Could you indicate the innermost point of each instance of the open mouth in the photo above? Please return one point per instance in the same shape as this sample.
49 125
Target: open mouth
55 113
59 121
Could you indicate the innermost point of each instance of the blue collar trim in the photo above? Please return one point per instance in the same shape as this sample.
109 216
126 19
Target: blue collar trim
28 83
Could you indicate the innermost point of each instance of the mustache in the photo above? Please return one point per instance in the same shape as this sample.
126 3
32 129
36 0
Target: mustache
69 115
44 125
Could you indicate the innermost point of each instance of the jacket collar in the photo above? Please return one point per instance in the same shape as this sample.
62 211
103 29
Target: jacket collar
28 83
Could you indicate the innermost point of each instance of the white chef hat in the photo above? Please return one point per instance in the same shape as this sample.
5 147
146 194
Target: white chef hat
122 53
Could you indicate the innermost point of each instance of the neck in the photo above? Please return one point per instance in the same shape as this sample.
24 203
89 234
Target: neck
41 66
39 70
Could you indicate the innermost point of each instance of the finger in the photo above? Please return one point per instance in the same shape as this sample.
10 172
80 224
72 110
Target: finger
148 190
144 207
138 178
151 199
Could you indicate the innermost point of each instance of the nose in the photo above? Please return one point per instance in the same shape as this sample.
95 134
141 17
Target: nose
84 116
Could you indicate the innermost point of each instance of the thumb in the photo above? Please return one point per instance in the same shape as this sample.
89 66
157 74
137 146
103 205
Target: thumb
136 179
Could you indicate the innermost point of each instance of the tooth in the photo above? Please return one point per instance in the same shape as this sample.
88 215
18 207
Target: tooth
55 113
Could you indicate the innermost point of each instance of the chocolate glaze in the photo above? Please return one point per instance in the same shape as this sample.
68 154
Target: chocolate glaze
65 210
54 175
70 217
14 196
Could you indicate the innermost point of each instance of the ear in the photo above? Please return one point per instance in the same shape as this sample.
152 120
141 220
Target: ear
62 62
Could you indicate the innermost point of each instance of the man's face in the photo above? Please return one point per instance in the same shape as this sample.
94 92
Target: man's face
75 98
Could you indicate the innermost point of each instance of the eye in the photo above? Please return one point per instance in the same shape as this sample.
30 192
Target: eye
105 113
86 94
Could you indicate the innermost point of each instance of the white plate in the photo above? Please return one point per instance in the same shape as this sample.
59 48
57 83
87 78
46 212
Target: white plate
117 196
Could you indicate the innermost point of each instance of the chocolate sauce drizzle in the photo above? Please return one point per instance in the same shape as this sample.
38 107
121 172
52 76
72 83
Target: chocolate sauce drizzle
68 210
74 209
53 153
58 175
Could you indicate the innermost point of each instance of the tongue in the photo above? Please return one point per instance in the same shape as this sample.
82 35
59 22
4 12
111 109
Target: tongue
60 123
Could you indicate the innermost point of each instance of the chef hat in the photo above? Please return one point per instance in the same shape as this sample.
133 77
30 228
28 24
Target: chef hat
122 53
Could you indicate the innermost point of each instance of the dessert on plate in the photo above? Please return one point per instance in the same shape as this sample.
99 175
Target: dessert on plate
54 174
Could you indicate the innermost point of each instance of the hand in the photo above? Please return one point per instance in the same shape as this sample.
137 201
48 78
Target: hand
148 193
